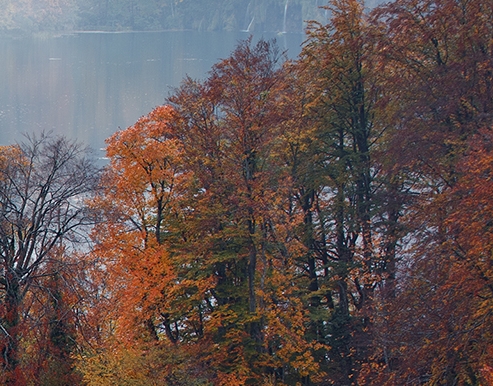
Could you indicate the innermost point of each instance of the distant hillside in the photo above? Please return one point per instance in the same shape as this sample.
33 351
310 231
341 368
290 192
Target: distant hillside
210 15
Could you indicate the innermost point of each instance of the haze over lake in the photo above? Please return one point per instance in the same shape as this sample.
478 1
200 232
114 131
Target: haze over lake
88 85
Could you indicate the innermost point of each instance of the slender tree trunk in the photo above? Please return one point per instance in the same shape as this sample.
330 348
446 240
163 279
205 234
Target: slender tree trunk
10 354
343 310
255 326
252 267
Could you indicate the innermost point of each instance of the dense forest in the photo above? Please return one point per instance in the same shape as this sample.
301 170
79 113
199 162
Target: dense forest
321 221
210 15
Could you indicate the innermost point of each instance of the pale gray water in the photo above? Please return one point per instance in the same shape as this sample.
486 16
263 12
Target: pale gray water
88 85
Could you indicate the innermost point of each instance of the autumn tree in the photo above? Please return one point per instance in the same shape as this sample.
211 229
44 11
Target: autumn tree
438 69
237 119
50 329
43 186
342 187
140 192
141 292
437 60
437 330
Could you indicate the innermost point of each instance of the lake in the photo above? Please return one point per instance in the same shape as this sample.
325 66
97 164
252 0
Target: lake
86 86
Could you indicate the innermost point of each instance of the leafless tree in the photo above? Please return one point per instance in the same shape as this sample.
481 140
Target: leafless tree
45 183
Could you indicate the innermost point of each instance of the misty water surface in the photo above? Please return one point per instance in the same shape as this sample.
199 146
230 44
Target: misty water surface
88 85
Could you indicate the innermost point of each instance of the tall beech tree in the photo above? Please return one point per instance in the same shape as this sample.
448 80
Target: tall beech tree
437 57
237 119
438 326
344 185
146 178
44 183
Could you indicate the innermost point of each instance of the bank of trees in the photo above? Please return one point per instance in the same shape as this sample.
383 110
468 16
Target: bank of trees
316 222
215 15
138 15
142 15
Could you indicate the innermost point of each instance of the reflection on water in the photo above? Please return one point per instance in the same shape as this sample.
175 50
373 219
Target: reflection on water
88 85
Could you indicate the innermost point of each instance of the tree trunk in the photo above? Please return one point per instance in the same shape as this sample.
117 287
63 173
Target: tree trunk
11 329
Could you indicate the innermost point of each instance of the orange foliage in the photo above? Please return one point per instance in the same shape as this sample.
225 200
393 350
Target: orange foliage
197 229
